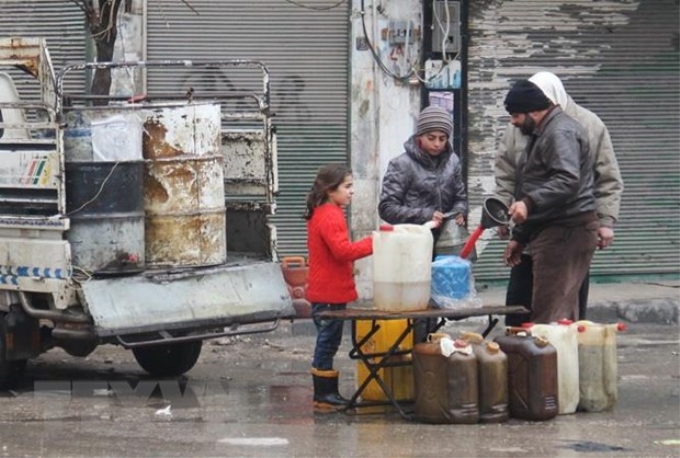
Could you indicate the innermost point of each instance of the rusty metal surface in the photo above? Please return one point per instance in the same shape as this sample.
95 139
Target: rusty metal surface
184 186
22 52
186 240
244 170
172 131
185 211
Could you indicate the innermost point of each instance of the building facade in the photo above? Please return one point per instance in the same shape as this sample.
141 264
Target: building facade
345 87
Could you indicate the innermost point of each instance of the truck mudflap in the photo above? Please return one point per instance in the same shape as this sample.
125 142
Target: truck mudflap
188 301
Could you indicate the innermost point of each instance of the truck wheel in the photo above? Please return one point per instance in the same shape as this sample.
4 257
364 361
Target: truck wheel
170 359
10 371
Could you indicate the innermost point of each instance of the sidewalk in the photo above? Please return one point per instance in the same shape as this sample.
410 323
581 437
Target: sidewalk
649 302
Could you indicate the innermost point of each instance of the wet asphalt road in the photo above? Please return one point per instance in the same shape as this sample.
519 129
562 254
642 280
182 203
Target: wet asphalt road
251 396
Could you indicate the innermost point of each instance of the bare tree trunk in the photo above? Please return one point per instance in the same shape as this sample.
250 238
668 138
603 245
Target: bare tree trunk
104 33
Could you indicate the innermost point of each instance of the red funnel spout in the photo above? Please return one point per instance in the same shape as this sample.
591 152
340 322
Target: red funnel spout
470 244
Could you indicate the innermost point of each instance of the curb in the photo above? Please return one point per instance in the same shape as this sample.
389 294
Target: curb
657 311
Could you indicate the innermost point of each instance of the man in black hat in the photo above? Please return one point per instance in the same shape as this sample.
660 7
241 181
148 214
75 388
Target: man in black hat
554 206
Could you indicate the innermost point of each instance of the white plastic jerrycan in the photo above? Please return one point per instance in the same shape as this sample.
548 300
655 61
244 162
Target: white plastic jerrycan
598 368
563 336
402 273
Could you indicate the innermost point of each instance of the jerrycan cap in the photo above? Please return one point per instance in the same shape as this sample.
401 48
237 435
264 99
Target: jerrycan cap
527 325
460 343
493 347
386 228
621 327
581 328
541 342
564 321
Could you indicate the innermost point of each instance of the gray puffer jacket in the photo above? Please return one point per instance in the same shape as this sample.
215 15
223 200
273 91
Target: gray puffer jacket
417 184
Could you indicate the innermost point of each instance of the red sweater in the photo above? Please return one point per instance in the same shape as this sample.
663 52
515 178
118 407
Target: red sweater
331 256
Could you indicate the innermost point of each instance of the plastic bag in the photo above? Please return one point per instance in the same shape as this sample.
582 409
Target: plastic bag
117 138
451 240
452 284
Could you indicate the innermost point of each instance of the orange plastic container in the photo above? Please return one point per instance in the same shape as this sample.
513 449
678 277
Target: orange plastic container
295 272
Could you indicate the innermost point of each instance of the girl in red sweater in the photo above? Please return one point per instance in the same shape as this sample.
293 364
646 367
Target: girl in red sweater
330 284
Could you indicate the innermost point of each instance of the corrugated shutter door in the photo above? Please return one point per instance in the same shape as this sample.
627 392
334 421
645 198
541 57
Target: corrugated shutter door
621 61
307 54
61 23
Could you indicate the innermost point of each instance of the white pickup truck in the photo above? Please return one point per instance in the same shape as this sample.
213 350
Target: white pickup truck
142 223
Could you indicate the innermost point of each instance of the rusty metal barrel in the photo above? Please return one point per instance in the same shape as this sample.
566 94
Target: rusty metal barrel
185 213
104 191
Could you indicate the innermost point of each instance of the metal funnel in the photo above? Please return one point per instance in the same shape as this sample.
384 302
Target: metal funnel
494 213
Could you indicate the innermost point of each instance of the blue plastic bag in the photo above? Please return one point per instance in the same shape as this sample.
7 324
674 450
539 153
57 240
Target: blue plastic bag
452 283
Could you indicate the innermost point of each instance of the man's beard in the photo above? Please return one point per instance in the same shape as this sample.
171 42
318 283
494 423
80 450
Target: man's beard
528 126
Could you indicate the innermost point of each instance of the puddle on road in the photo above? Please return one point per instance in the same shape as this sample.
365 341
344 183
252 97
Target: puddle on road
586 446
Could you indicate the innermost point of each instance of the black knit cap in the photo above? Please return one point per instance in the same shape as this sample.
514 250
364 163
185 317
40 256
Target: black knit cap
525 97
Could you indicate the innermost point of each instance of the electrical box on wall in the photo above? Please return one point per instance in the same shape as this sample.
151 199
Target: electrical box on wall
446 26
442 75
400 33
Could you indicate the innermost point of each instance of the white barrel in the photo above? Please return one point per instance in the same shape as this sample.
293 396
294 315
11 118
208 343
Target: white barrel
402 272
563 336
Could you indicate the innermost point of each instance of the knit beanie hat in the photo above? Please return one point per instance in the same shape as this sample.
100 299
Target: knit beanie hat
434 118
525 97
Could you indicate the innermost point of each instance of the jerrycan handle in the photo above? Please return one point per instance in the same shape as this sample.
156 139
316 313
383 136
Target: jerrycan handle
437 336
514 330
293 261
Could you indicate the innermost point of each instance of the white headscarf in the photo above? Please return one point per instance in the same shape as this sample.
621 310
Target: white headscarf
552 87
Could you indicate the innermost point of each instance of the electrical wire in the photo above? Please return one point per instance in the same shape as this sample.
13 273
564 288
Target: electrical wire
315 8
445 31
376 57
101 188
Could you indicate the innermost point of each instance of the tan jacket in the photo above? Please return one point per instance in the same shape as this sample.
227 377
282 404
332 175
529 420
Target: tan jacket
608 182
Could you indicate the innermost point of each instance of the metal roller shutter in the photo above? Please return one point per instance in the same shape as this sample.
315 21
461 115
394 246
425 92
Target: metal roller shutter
306 52
617 58
61 23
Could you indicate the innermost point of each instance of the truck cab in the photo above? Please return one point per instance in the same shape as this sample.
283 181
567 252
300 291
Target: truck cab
141 222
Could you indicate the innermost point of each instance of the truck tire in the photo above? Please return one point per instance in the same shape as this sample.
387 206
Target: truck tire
10 371
170 359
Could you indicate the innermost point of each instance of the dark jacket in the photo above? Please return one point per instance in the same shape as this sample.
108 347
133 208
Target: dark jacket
417 184
555 175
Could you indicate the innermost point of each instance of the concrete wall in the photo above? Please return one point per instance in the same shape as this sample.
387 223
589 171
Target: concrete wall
383 111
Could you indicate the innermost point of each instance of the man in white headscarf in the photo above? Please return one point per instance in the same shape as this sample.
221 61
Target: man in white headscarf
608 185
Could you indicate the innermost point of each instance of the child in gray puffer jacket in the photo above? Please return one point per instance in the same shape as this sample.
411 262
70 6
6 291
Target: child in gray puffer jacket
426 182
